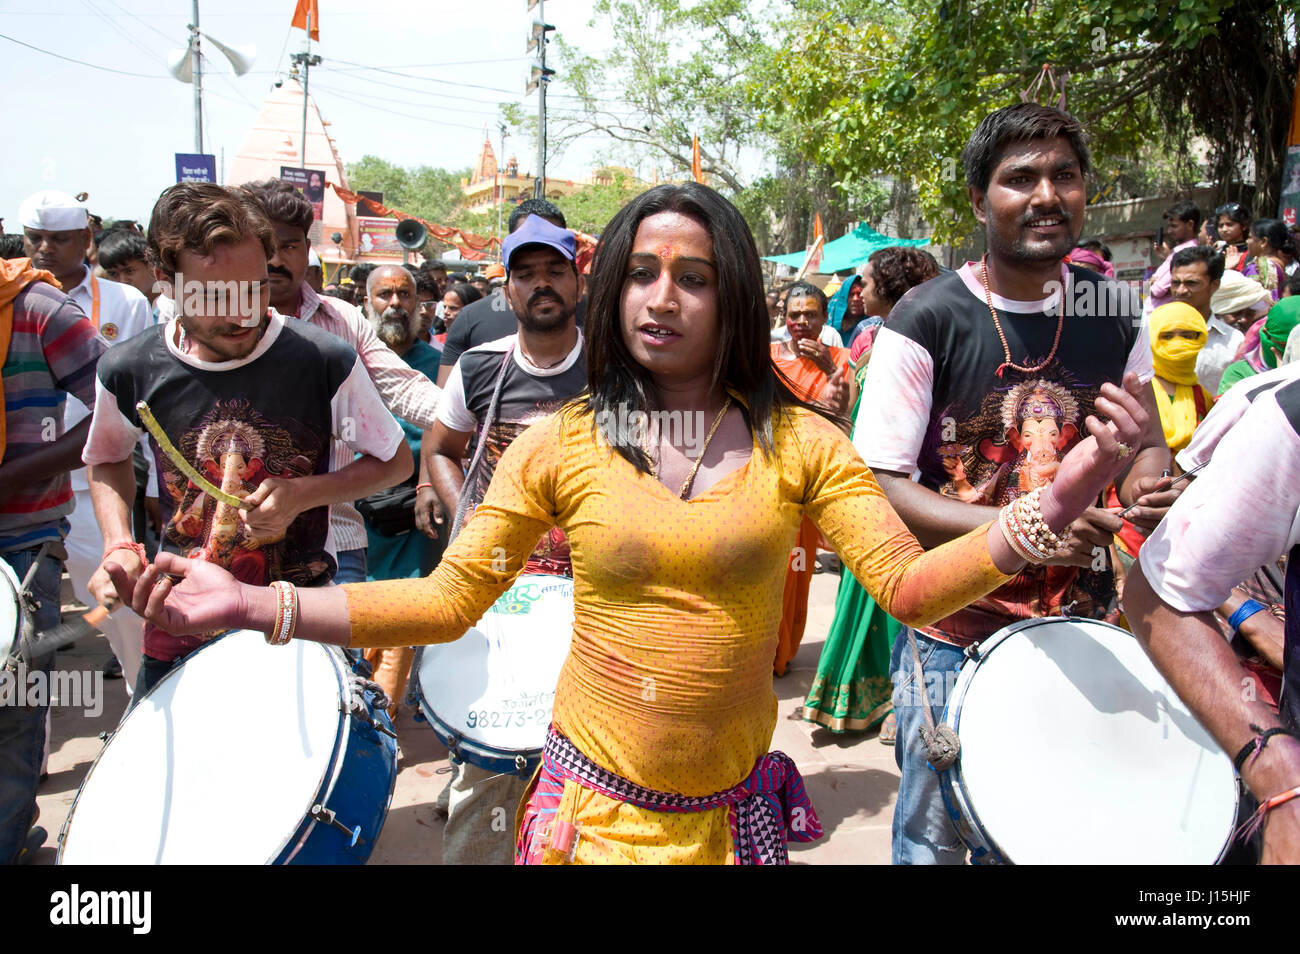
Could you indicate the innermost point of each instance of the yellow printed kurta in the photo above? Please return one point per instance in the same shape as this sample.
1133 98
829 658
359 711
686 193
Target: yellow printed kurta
669 678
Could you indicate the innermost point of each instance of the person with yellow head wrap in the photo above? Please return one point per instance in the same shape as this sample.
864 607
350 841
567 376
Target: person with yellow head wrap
1178 334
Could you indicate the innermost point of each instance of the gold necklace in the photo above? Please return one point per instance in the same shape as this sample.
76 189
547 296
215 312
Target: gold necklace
690 478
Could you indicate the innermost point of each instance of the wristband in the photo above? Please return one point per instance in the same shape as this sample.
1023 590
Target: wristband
1244 612
136 548
419 487
1257 744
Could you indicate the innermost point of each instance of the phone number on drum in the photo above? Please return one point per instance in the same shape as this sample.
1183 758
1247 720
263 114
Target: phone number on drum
489 719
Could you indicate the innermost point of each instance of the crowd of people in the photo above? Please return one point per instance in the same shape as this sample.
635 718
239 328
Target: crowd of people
978 447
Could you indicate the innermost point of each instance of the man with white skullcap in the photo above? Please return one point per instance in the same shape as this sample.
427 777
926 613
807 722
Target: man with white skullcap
1237 304
56 235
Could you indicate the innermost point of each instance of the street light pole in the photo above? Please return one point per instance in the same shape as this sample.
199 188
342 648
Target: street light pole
307 61
197 64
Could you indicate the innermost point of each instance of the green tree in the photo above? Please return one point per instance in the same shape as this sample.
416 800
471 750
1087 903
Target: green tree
431 194
677 70
875 92
590 209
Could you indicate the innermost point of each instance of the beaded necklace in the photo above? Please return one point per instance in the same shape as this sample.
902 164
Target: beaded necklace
1006 348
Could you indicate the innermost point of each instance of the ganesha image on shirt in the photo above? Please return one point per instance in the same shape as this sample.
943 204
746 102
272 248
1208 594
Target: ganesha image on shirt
1041 422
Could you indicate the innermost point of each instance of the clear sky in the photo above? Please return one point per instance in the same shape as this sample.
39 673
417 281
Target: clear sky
81 129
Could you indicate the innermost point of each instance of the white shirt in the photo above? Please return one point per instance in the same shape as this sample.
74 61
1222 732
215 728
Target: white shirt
1242 512
1221 344
454 411
123 314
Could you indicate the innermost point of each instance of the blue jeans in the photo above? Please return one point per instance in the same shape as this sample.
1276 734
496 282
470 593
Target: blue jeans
151 670
923 834
22 728
352 566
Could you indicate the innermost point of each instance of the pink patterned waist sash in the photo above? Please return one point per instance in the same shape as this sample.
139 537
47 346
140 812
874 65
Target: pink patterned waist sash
767 809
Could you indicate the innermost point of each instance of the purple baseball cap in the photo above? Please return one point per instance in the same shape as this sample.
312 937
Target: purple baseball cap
535 230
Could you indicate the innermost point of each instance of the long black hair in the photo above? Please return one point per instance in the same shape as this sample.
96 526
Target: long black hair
616 384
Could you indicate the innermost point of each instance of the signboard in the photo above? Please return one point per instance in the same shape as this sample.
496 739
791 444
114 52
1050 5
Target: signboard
311 183
377 238
1289 208
375 197
1130 258
195 167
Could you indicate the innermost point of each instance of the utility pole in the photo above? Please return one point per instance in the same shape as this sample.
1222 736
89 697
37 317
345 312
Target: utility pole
306 60
538 79
197 64
501 189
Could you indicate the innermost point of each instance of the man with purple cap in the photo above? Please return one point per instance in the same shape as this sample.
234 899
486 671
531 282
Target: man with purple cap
498 390
56 236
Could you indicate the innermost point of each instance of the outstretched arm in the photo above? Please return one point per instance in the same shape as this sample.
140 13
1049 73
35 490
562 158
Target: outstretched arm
477 568
918 587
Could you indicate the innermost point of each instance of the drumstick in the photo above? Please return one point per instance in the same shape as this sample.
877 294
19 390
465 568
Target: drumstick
153 427
1181 477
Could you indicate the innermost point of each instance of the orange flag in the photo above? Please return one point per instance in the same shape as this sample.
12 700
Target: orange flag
697 169
300 14
815 251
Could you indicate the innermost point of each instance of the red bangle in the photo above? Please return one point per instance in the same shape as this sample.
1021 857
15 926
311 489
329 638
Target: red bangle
137 548
419 487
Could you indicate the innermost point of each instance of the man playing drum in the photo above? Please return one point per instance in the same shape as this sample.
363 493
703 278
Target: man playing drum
1003 358
515 381
251 401
664 711
1214 537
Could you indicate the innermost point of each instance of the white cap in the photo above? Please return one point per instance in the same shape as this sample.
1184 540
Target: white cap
1237 292
52 211
313 260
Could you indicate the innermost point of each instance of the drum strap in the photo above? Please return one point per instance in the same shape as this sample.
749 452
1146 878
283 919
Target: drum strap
941 743
462 505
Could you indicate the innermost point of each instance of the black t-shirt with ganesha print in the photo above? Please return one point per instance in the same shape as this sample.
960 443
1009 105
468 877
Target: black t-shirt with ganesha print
270 414
939 402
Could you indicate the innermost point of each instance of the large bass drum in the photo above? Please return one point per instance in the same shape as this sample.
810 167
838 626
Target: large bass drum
1074 750
245 753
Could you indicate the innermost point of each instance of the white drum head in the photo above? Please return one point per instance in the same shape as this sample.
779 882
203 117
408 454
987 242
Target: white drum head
1075 750
10 615
496 684
218 764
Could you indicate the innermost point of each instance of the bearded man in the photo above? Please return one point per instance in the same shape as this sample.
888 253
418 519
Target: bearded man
395 548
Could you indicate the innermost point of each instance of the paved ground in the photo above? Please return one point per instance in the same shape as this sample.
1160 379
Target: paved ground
851 779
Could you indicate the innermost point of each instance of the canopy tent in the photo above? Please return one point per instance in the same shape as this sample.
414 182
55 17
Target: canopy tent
848 251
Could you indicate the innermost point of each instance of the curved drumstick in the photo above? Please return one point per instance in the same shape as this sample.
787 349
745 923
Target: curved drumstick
153 427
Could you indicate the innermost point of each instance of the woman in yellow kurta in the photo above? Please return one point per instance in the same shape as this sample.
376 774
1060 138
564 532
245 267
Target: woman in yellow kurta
664 709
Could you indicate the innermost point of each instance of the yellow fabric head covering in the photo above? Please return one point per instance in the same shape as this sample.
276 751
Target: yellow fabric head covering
1174 359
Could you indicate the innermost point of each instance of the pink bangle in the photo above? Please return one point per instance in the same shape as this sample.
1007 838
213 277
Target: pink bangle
419 487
